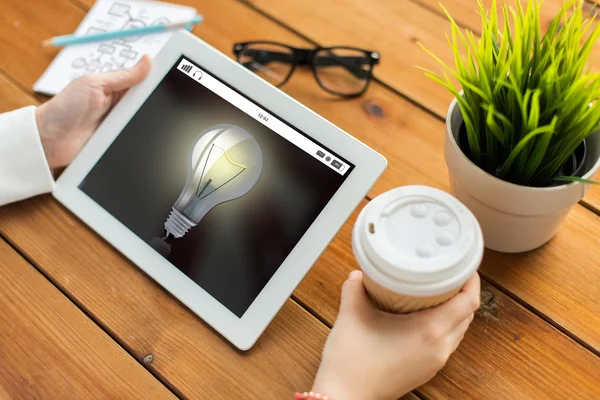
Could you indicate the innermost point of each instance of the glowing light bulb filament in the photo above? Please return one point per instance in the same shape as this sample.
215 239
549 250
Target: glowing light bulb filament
214 166
201 188
230 160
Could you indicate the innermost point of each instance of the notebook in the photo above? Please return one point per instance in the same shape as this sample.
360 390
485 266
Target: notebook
105 16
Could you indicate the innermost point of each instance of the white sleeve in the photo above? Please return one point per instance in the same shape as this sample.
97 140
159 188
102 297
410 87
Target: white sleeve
24 171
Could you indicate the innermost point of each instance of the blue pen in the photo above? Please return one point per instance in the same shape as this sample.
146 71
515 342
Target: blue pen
67 40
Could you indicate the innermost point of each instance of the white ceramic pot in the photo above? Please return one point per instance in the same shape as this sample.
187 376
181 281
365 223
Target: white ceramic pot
513 218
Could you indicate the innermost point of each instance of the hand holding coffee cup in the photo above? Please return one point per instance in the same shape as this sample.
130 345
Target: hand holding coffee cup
417 246
357 362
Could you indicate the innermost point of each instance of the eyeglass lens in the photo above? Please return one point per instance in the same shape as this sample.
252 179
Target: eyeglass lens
343 71
271 62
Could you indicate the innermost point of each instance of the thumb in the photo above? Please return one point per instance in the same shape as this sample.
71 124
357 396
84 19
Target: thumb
354 297
126 78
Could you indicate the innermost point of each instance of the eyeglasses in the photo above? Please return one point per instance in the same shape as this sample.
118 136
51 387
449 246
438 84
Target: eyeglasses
343 71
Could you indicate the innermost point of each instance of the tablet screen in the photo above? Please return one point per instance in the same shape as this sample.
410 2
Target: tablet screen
221 187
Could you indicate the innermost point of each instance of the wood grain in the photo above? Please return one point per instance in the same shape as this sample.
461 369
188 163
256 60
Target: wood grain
536 276
191 358
516 357
465 11
554 278
146 320
51 349
410 140
410 396
28 22
404 29
12 97
406 23
409 137
381 119
392 27
509 350
186 353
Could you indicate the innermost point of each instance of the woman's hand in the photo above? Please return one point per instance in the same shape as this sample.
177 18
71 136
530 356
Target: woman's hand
371 354
68 120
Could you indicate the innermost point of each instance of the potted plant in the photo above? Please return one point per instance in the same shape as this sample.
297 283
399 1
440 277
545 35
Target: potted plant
522 144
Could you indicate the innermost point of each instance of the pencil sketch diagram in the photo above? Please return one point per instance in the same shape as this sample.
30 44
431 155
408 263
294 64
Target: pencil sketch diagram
119 53
110 55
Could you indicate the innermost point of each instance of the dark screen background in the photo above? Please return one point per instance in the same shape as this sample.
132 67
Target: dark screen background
237 247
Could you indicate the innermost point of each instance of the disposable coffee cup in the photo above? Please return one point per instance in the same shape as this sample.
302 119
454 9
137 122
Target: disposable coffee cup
417 246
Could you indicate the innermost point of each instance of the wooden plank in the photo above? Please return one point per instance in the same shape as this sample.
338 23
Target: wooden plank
404 28
146 320
406 23
465 11
535 276
408 137
186 352
51 349
13 97
508 352
190 357
412 140
27 13
381 119
27 22
490 362
392 27
401 123
517 357
554 278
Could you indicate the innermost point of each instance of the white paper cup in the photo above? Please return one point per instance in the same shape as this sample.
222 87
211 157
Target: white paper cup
417 246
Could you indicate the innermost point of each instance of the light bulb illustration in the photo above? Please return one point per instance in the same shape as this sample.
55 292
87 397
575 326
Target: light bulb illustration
224 163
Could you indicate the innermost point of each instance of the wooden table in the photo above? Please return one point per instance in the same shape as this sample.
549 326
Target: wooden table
78 320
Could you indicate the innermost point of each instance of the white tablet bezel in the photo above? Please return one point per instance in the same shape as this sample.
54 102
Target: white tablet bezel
242 332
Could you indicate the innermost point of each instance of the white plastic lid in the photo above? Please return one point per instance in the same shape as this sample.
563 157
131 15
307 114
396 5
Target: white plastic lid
418 240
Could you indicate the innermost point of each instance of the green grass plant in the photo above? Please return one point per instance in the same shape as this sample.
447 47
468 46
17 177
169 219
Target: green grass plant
529 98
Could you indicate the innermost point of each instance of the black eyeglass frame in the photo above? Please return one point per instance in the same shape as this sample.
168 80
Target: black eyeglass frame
306 56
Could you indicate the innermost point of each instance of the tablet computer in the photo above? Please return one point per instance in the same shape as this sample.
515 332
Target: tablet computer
219 186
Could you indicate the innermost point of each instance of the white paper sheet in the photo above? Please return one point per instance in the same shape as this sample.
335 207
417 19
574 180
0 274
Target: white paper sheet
105 16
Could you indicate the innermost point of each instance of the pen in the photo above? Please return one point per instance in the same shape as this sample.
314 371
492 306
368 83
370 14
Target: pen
66 40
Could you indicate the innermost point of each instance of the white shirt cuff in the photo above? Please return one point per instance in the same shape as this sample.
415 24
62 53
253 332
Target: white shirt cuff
24 171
